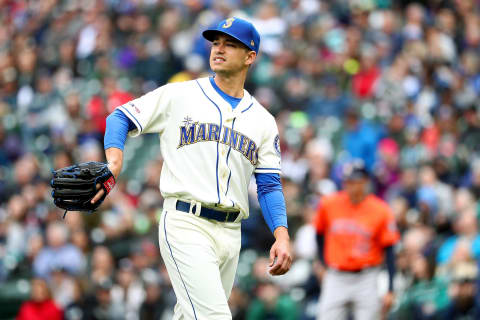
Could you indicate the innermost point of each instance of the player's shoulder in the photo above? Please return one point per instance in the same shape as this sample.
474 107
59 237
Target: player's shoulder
182 85
260 109
377 203
334 199
172 89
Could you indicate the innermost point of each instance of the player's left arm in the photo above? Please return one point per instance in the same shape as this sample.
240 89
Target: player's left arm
272 202
390 262
389 297
388 237
269 188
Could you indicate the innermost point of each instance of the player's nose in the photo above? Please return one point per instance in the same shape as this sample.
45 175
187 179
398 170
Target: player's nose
220 48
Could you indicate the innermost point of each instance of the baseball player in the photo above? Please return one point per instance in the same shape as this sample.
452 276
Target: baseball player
213 136
354 229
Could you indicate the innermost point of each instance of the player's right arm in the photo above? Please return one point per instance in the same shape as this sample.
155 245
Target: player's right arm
118 126
146 114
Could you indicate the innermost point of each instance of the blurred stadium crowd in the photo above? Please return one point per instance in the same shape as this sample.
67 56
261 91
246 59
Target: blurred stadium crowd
394 83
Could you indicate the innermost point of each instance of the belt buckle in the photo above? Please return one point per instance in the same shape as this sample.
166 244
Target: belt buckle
198 208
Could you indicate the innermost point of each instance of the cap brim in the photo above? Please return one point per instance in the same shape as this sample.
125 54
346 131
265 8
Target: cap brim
357 176
210 36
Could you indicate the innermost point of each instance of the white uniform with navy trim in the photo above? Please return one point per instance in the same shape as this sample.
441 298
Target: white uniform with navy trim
210 151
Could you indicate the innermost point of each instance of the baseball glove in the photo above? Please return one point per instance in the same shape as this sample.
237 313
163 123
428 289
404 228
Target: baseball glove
74 186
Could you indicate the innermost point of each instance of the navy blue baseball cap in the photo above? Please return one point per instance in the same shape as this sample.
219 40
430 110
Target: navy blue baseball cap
237 28
355 171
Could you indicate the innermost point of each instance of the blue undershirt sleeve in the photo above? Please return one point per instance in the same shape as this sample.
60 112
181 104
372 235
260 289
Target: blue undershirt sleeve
271 199
118 126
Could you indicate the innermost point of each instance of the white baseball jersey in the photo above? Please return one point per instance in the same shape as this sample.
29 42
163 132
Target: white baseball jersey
210 150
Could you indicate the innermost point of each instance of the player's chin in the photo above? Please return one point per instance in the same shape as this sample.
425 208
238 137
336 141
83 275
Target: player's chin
217 68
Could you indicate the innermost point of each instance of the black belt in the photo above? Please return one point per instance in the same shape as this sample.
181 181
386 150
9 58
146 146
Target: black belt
353 270
222 216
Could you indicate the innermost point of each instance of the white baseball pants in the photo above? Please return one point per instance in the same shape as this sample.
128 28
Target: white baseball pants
341 289
201 257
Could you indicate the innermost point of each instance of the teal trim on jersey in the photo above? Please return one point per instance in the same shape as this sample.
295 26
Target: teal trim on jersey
220 112
175 261
231 100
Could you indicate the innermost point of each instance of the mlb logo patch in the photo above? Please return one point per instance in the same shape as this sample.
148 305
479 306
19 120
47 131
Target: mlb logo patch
135 108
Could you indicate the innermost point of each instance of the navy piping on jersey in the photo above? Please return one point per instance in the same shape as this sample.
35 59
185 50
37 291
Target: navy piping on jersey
138 122
218 142
176 265
251 104
228 154
267 169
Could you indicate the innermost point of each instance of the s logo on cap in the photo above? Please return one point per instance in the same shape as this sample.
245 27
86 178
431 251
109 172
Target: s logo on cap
228 23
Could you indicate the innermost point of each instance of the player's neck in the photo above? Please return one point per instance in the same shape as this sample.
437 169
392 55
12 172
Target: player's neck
231 85
355 200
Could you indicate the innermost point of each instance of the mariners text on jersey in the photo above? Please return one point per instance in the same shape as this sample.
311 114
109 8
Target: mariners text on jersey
193 132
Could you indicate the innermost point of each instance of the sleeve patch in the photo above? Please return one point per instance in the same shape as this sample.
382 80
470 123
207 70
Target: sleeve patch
276 144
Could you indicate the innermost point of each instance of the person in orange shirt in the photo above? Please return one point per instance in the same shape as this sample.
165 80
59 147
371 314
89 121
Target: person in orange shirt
355 229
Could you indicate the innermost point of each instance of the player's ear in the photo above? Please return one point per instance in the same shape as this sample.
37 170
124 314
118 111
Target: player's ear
250 58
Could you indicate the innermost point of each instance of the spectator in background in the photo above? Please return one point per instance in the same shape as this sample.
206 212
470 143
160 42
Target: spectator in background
464 289
271 304
270 301
354 230
58 254
154 305
41 305
464 244
360 139
330 101
63 287
102 266
76 309
101 306
15 233
128 292
427 298
443 192
414 152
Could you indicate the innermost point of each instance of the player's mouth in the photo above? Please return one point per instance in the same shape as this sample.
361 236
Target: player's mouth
218 59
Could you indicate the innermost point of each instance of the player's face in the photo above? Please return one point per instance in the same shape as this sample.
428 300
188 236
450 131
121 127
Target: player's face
356 189
229 56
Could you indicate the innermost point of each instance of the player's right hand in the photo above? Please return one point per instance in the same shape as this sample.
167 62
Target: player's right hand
100 192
